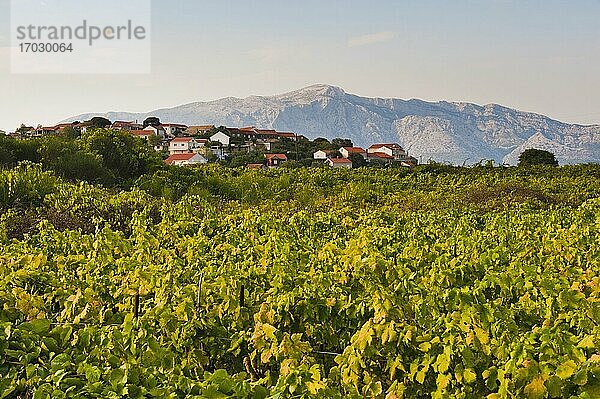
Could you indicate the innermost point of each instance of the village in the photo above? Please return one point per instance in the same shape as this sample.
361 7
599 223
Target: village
184 145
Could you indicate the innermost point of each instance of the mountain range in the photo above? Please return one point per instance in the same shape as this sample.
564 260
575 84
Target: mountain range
452 132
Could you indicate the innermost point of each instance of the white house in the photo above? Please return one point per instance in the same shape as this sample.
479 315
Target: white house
339 163
183 145
125 125
322 155
162 146
393 150
220 137
159 131
173 129
347 151
143 134
185 159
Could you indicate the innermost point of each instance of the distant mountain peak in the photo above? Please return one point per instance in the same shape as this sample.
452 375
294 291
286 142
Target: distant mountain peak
443 131
314 92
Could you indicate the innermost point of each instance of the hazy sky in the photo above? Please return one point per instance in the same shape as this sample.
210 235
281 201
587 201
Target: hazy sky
541 56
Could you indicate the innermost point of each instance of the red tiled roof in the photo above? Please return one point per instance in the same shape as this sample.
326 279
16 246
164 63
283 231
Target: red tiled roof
182 139
278 156
381 155
179 157
59 126
173 125
202 127
142 132
389 145
326 151
340 160
356 150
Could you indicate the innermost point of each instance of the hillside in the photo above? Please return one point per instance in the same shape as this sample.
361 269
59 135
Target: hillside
443 131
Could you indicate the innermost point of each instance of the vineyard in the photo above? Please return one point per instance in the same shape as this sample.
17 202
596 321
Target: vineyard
212 283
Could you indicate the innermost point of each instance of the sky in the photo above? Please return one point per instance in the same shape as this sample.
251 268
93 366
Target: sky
539 56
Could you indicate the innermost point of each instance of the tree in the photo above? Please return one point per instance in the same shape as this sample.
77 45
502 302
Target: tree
154 140
321 142
338 143
23 128
238 159
537 157
358 160
151 121
126 156
69 133
99 122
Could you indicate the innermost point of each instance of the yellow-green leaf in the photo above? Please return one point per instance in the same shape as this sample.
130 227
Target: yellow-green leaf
536 388
566 369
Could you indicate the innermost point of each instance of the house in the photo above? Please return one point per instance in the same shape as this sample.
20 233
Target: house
322 155
124 125
42 130
347 151
159 131
26 131
163 145
221 137
287 135
339 163
393 150
252 132
185 159
218 152
184 145
173 129
200 130
382 157
275 160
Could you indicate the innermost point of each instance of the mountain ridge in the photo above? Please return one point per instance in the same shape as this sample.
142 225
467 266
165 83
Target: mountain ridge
454 132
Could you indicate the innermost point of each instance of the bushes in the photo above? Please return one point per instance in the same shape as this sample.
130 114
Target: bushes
25 186
124 155
14 151
38 195
100 156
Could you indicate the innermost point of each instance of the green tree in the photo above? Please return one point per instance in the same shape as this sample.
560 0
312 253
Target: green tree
126 156
321 143
358 160
238 159
99 122
154 140
151 121
23 129
65 158
13 151
338 143
69 133
537 157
